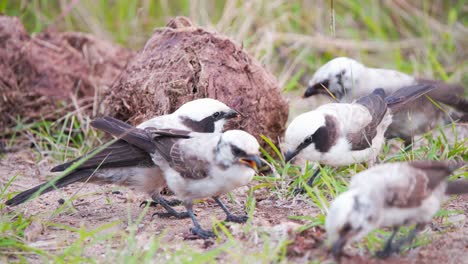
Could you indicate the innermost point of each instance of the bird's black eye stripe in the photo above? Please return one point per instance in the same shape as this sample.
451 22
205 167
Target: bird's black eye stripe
308 140
216 114
345 229
237 151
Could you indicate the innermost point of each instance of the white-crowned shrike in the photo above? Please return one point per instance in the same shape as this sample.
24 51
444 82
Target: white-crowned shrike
124 164
346 80
340 134
390 195
193 165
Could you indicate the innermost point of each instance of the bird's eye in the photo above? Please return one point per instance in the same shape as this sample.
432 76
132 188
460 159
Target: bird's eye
236 151
216 114
308 140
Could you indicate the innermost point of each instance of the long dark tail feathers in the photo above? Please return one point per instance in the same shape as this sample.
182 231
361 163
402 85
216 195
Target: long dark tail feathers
457 187
407 94
62 167
69 179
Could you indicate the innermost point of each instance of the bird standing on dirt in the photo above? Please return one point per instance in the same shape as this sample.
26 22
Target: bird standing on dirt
342 134
346 80
194 165
125 164
391 195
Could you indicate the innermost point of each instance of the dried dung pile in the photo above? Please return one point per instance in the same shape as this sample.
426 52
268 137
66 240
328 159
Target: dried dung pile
181 62
39 71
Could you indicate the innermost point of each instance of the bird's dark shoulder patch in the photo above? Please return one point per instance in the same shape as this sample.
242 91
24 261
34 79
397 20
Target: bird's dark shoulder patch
326 136
206 125
377 108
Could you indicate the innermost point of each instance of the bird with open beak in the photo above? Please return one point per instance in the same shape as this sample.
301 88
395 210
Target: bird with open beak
194 165
391 195
340 134
346 79
124 164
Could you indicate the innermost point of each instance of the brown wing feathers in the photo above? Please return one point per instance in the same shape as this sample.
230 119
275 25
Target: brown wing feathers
406 94
426 177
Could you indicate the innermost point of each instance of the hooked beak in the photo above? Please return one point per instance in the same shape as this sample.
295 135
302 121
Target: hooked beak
253 161
318 88
289 155
232 114
337 247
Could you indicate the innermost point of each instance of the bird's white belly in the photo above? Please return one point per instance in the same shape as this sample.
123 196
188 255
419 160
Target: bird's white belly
407 216
213 185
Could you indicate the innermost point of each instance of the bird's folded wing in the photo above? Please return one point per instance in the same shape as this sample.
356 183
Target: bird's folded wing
377 108
134 136
189 165
401 97
169 145
425 177
167 132
118 154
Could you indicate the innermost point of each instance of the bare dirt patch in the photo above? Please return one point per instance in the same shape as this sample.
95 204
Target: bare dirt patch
39 70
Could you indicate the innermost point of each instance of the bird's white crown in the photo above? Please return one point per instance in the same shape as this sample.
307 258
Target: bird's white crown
201 108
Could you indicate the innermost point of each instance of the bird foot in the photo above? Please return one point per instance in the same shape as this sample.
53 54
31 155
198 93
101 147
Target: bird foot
173 202
201 233
149 203
237 218
387 251
298 190
383 254
173 214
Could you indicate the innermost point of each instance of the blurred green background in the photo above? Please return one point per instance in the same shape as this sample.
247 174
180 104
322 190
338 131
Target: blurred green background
292 38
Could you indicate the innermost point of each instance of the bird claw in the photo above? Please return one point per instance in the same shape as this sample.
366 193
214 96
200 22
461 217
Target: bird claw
237 218
176 215
151 204
298 190
383 254
201 233
387 252
173 202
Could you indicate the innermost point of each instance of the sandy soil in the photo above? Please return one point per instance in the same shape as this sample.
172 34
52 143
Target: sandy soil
100 205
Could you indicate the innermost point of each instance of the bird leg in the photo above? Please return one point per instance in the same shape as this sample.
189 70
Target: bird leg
229 216
197 230
309 182
169 210
408 142
388 249
409 238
